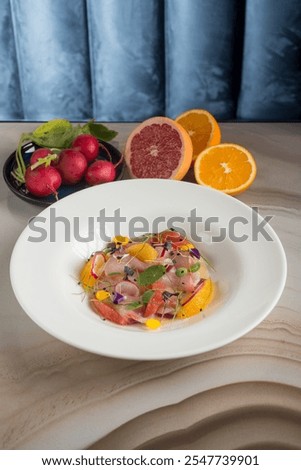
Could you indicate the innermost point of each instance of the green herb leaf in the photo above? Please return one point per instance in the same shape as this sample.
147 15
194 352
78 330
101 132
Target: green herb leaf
114 273
99 130
57 133
134 305
151 274
147 296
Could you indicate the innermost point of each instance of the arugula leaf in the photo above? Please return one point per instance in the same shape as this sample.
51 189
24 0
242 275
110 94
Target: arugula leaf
151 274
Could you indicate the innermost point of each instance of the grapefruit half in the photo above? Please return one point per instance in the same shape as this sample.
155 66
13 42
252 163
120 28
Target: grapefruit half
159 148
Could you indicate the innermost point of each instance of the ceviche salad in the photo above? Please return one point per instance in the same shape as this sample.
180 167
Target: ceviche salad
148 280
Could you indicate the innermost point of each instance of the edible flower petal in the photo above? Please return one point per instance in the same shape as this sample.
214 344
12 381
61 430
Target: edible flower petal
102 295
117 298
128 271
195 252
120 240
152 323
186 247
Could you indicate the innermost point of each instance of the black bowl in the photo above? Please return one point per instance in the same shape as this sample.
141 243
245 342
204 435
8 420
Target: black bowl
64 190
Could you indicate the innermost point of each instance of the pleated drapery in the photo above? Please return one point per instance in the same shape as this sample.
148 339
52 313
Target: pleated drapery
126 60
271 72
53 58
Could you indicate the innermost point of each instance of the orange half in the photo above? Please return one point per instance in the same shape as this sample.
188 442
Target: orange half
202 127
227 167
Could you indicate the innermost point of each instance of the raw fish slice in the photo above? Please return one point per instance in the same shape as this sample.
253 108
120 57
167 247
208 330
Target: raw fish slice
109 313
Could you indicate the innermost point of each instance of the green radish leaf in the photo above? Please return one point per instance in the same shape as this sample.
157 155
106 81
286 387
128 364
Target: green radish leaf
147 296
99 131
85 129
19 172
134 305
151 274
44 161
58 133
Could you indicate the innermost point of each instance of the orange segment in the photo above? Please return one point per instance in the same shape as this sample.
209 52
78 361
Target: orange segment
91 270
202 127
143 251
198 302
86 278
227 167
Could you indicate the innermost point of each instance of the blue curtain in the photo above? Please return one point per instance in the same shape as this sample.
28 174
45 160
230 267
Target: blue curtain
200 56
53 58
11 106
271 72
127 58
132 59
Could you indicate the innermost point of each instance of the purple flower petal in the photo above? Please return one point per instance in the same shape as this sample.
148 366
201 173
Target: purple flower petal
117 298
195 252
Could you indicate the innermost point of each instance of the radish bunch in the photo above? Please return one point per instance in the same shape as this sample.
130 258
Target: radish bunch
47 171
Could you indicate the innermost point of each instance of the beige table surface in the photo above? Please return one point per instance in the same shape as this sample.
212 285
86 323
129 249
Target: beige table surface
244 395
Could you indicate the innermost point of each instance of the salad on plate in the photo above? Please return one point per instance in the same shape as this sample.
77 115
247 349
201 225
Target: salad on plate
150 280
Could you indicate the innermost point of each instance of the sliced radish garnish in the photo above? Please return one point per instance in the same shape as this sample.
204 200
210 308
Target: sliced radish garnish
127 289
97 264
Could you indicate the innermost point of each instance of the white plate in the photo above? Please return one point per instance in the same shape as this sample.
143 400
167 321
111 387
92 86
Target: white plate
249 275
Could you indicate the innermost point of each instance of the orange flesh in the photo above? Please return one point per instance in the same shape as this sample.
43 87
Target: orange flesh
227 171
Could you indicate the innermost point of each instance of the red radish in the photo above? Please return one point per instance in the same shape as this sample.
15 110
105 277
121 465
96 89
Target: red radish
42 181
100 171
39 153
88 145
72 166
